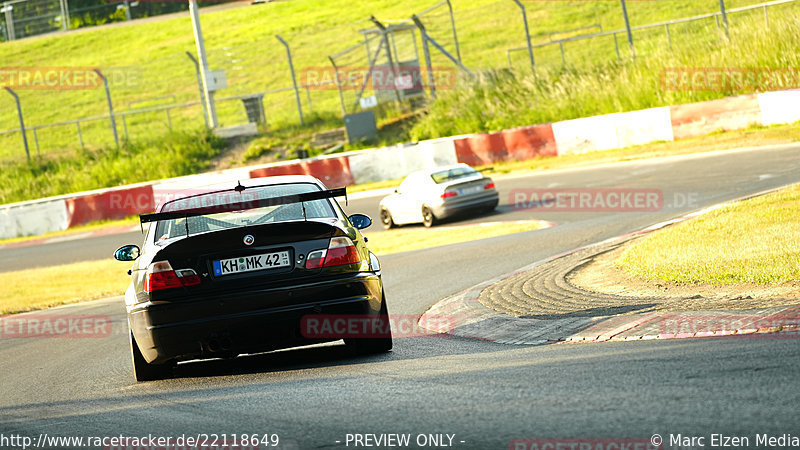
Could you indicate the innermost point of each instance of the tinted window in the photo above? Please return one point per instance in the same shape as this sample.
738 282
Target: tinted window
453 174
316 209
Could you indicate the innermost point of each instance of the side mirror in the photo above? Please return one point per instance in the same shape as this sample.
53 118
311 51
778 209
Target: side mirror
360 221
127 253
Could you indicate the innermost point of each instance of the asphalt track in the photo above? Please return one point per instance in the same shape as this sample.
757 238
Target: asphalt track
486 394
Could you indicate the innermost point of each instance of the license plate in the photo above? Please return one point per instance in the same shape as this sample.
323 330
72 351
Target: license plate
251 263
471 190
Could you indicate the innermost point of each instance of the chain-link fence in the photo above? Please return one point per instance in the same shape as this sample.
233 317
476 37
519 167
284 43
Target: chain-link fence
342 68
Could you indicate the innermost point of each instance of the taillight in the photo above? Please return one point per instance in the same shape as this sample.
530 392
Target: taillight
489 186
340 251
315 259
161 276
449 194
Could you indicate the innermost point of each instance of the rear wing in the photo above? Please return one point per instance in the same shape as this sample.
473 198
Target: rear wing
244 205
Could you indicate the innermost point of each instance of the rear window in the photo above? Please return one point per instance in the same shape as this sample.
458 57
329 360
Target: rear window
316 209
453 174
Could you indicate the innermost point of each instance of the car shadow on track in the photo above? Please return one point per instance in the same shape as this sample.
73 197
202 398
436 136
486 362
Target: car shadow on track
334 354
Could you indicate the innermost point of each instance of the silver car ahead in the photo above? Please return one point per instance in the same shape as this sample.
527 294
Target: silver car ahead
430 195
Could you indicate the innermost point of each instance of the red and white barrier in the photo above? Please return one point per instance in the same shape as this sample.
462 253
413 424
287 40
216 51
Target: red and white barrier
568 137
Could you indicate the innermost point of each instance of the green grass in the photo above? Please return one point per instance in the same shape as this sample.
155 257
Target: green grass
147 65
504 99
44 287
170 156
754 241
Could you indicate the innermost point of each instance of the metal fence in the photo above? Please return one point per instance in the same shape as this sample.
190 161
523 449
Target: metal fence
660 35
295 84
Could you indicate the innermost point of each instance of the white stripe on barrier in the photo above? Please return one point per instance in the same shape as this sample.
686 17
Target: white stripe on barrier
33 219
779 107
643 127
612 131
585 135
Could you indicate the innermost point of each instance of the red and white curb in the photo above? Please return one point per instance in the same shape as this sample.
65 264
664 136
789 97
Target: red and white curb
468 318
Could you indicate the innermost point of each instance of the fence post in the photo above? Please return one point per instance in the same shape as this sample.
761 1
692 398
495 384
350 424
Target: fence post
308 97
294 79
766 16
80 135
426 50
385 36
36 141
65 25
669 37
21 122
527 35
724 18
110 107
199 86
208 94
628 28
453 25
338 86
9 12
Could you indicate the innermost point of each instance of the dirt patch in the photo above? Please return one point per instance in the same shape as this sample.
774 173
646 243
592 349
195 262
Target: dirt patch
602 276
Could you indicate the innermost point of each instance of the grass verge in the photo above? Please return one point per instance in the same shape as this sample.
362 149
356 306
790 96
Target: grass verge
45 287
173 155
753 241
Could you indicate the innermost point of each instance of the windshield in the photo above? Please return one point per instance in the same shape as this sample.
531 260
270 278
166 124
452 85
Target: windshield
316 209
453 174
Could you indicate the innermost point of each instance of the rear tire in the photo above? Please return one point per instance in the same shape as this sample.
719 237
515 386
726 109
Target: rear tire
382 344
142 370
386 219
428 219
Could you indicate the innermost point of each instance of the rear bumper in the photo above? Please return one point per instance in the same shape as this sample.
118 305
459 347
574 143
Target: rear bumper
247 322
465 205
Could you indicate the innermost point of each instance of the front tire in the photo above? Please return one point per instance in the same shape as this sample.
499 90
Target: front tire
386 219
428 219
381 344
144 371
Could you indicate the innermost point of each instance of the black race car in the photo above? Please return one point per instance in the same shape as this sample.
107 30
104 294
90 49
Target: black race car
242 269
